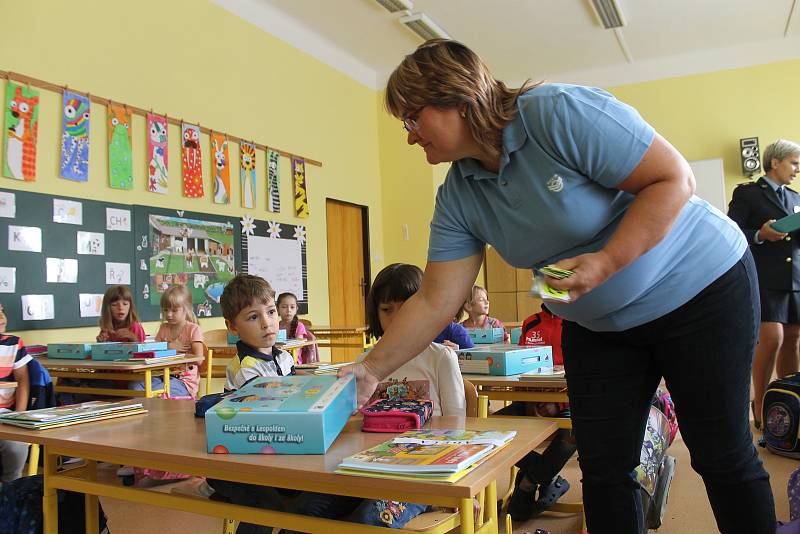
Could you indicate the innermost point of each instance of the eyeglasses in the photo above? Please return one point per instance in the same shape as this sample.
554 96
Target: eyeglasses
410 124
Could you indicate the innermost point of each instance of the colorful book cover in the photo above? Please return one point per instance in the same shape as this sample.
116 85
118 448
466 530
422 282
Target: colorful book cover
222 168
120 156
75 137
22 125
300 190
157 154
273 182
498 438
247 166
192 161
417 458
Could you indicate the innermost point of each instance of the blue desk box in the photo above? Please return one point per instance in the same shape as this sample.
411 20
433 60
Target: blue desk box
486 335
232 339
122 351
301 414
72 351
516 333
504 360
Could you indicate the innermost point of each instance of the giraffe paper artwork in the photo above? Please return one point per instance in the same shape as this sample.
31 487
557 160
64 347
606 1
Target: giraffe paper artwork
300 188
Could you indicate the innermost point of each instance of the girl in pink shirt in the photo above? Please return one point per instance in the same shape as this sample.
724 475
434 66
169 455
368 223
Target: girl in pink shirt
118 318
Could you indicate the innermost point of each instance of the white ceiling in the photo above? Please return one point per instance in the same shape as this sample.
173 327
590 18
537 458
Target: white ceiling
559 40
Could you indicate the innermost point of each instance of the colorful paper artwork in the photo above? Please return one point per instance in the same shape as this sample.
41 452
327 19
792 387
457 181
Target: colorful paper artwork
222 169
273 182
21 126
192 161
247 164
157 154
300 190
120 158
75 137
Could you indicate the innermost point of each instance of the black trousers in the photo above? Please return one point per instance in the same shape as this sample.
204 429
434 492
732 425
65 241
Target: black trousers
704 350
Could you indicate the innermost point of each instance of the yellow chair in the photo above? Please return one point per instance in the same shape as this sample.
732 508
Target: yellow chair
215 364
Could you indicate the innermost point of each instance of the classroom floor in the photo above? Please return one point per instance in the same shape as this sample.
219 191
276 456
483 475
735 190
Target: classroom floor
687 509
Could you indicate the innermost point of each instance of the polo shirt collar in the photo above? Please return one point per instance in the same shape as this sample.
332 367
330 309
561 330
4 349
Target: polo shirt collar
244 349
514 136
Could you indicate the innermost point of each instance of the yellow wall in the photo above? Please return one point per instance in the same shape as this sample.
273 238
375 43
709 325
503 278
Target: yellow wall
196 61
705 115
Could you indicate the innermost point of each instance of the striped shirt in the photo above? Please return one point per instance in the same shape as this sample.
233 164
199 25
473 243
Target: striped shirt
250 363
12 356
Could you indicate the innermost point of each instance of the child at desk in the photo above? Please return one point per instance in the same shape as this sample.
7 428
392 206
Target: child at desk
477 309
434 374
13 368
182 333
287 309
118 318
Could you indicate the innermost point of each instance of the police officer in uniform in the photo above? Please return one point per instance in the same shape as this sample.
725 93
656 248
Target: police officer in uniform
754 207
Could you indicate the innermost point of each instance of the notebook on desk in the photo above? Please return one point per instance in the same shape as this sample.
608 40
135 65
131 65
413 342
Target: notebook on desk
543 373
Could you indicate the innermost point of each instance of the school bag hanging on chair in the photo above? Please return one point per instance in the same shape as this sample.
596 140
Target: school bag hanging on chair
781 416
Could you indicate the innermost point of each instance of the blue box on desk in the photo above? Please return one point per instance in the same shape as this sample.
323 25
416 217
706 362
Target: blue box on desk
486 335
300 414
232 339
516 333
72 351
504 360
122 351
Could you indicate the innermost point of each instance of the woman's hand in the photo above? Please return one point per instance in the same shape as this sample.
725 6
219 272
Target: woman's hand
590 270
365 381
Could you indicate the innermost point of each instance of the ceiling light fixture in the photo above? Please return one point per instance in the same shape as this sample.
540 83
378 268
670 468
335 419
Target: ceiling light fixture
422 25
393 6
608 13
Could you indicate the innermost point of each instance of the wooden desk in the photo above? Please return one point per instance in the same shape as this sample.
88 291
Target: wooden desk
170 438
342 337
107 370
229 351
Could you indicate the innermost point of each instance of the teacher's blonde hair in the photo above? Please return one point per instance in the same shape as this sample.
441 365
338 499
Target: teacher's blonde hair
447 74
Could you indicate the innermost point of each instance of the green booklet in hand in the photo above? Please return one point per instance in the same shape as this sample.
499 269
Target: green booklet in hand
787 224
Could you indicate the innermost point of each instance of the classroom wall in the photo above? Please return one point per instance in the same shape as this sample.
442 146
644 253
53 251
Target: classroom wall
705 115
194 60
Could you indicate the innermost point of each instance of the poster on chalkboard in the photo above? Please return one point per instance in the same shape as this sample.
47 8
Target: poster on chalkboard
197 250
277 252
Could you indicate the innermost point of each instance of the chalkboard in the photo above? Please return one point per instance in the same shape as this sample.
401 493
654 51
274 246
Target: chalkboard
198 250
277 252
60 256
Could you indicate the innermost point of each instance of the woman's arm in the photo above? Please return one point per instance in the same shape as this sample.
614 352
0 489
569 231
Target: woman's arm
23 392
444 288
662 184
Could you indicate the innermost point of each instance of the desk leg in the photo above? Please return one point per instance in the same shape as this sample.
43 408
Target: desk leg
491 504
148 383
49 497
467 516
166 382
90 506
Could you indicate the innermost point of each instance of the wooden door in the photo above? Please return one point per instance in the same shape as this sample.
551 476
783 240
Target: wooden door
348 270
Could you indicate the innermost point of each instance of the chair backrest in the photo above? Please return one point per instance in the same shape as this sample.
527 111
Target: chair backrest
215 363
477 405
305 322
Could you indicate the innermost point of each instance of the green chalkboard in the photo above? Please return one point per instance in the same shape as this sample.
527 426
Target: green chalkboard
60 261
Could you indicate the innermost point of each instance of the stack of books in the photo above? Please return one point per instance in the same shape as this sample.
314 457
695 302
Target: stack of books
72 414
291 343
436 455
322 368
543 374
152 357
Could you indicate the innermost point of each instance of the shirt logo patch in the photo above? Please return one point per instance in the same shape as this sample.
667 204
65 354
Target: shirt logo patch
555 183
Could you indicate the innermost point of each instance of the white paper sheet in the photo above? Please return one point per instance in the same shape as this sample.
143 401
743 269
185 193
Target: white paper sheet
90 304
25 238
37 307
8 279
62 271
67 211
118 273
8 205
118 220
92 243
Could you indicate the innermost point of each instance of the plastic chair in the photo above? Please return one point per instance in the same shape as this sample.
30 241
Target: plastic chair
41 396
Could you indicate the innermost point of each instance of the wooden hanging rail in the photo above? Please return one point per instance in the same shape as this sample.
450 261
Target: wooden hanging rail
28 80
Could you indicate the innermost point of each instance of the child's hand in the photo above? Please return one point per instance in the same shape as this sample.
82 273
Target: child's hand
448 343
102 336
180 346
125 333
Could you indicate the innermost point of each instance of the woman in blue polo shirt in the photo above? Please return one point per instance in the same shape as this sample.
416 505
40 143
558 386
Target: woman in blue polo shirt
664 284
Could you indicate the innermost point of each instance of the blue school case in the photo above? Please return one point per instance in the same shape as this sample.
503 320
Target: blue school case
70 351
123 351
504 360
486 335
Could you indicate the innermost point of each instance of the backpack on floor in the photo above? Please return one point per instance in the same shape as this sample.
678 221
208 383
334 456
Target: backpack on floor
21 509
781 416
656 468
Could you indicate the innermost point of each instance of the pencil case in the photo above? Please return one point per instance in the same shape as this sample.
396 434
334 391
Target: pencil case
396 415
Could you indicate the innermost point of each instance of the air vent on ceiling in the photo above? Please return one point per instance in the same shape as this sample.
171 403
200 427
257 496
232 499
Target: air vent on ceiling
423 26
393 6
609 13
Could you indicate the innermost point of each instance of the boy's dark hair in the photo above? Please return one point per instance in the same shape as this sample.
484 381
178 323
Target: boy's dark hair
243 290
293 325
395 283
